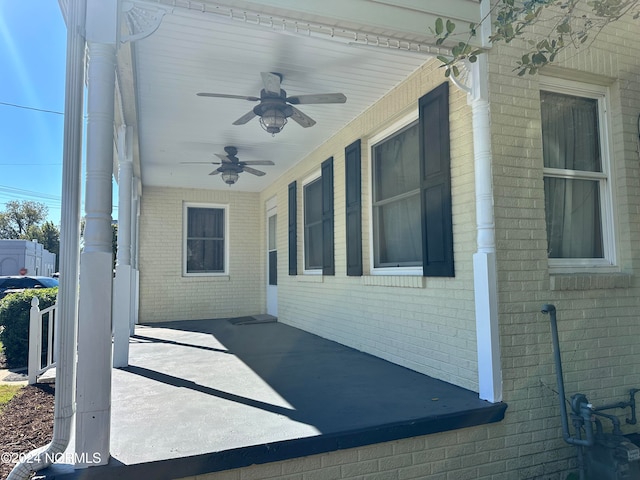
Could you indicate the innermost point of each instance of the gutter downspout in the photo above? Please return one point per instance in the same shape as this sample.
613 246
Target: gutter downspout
474 81
67 328
485 276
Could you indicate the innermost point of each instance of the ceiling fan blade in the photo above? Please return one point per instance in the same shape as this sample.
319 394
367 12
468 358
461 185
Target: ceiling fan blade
302 119
258 162
199 163
271 82
215 172
253 171
224 158
317 98
245 118
224 95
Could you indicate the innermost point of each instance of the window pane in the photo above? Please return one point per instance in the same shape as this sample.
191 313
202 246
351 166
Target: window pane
313 247
313 202
205 223
573 218
273 267
396 205
205 240
398 233
570 132
205 256
396 167
272 232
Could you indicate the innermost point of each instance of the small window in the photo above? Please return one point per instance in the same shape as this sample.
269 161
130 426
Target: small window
205 231
576 183
312 199
397 234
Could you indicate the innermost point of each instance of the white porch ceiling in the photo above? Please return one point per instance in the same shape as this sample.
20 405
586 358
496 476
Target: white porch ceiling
205 48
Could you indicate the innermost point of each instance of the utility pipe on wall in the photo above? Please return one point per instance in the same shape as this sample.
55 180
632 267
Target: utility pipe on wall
67 325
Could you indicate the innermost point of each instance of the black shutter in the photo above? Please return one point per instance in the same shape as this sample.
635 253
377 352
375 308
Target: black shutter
326 169
293 232
353 194
435 186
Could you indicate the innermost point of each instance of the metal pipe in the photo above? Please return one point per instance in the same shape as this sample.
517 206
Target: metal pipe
632 404
585 409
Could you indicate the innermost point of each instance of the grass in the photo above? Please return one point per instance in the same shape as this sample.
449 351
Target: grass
7 392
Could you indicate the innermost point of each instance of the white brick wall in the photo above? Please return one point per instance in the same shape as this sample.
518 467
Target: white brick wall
164 293
429 324
418 325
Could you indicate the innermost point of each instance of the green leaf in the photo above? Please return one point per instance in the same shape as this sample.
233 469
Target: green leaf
443 59
439 26
450 26
456 72
473 58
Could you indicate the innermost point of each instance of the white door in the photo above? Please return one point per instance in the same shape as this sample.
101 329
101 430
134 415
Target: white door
272 262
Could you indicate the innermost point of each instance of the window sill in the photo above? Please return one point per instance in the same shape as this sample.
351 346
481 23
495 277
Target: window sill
589 281
310 277
403 281
206 278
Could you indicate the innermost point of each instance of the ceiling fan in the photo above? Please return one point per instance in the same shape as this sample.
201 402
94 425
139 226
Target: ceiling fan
231 166
275 107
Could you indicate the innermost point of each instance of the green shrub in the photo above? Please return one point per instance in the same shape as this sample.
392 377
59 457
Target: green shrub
14 322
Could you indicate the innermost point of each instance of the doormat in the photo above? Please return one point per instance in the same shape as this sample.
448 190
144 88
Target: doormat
253 320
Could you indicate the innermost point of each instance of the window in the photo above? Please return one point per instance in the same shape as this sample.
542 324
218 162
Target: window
312 200
576 184
205 231
397 235
412 223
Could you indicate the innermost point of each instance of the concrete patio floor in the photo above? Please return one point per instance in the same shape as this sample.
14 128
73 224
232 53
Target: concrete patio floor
211 395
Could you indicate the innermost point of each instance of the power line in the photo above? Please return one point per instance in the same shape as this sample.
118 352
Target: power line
31 193
31 108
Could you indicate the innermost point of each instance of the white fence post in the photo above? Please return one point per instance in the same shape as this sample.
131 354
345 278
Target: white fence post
35 340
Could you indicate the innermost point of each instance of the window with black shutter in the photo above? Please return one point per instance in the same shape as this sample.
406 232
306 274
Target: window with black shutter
411 193
353 194
328 267
293 233
435 184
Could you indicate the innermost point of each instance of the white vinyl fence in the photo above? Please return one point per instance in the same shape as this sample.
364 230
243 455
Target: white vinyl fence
37 354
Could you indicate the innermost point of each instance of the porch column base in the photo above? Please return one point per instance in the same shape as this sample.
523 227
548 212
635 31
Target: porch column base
93 411
121 315
487 329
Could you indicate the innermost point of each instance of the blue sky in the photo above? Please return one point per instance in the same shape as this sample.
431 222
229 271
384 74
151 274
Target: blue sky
32 76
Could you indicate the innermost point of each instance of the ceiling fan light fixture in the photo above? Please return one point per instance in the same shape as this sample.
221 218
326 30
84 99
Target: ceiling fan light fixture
230 177
273 120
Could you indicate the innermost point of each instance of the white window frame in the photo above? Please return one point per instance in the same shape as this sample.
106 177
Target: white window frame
606 183
185 214
383 135
317 175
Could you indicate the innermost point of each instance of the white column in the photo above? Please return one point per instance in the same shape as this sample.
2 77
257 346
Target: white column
122 284
484 260
135 273
93 416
